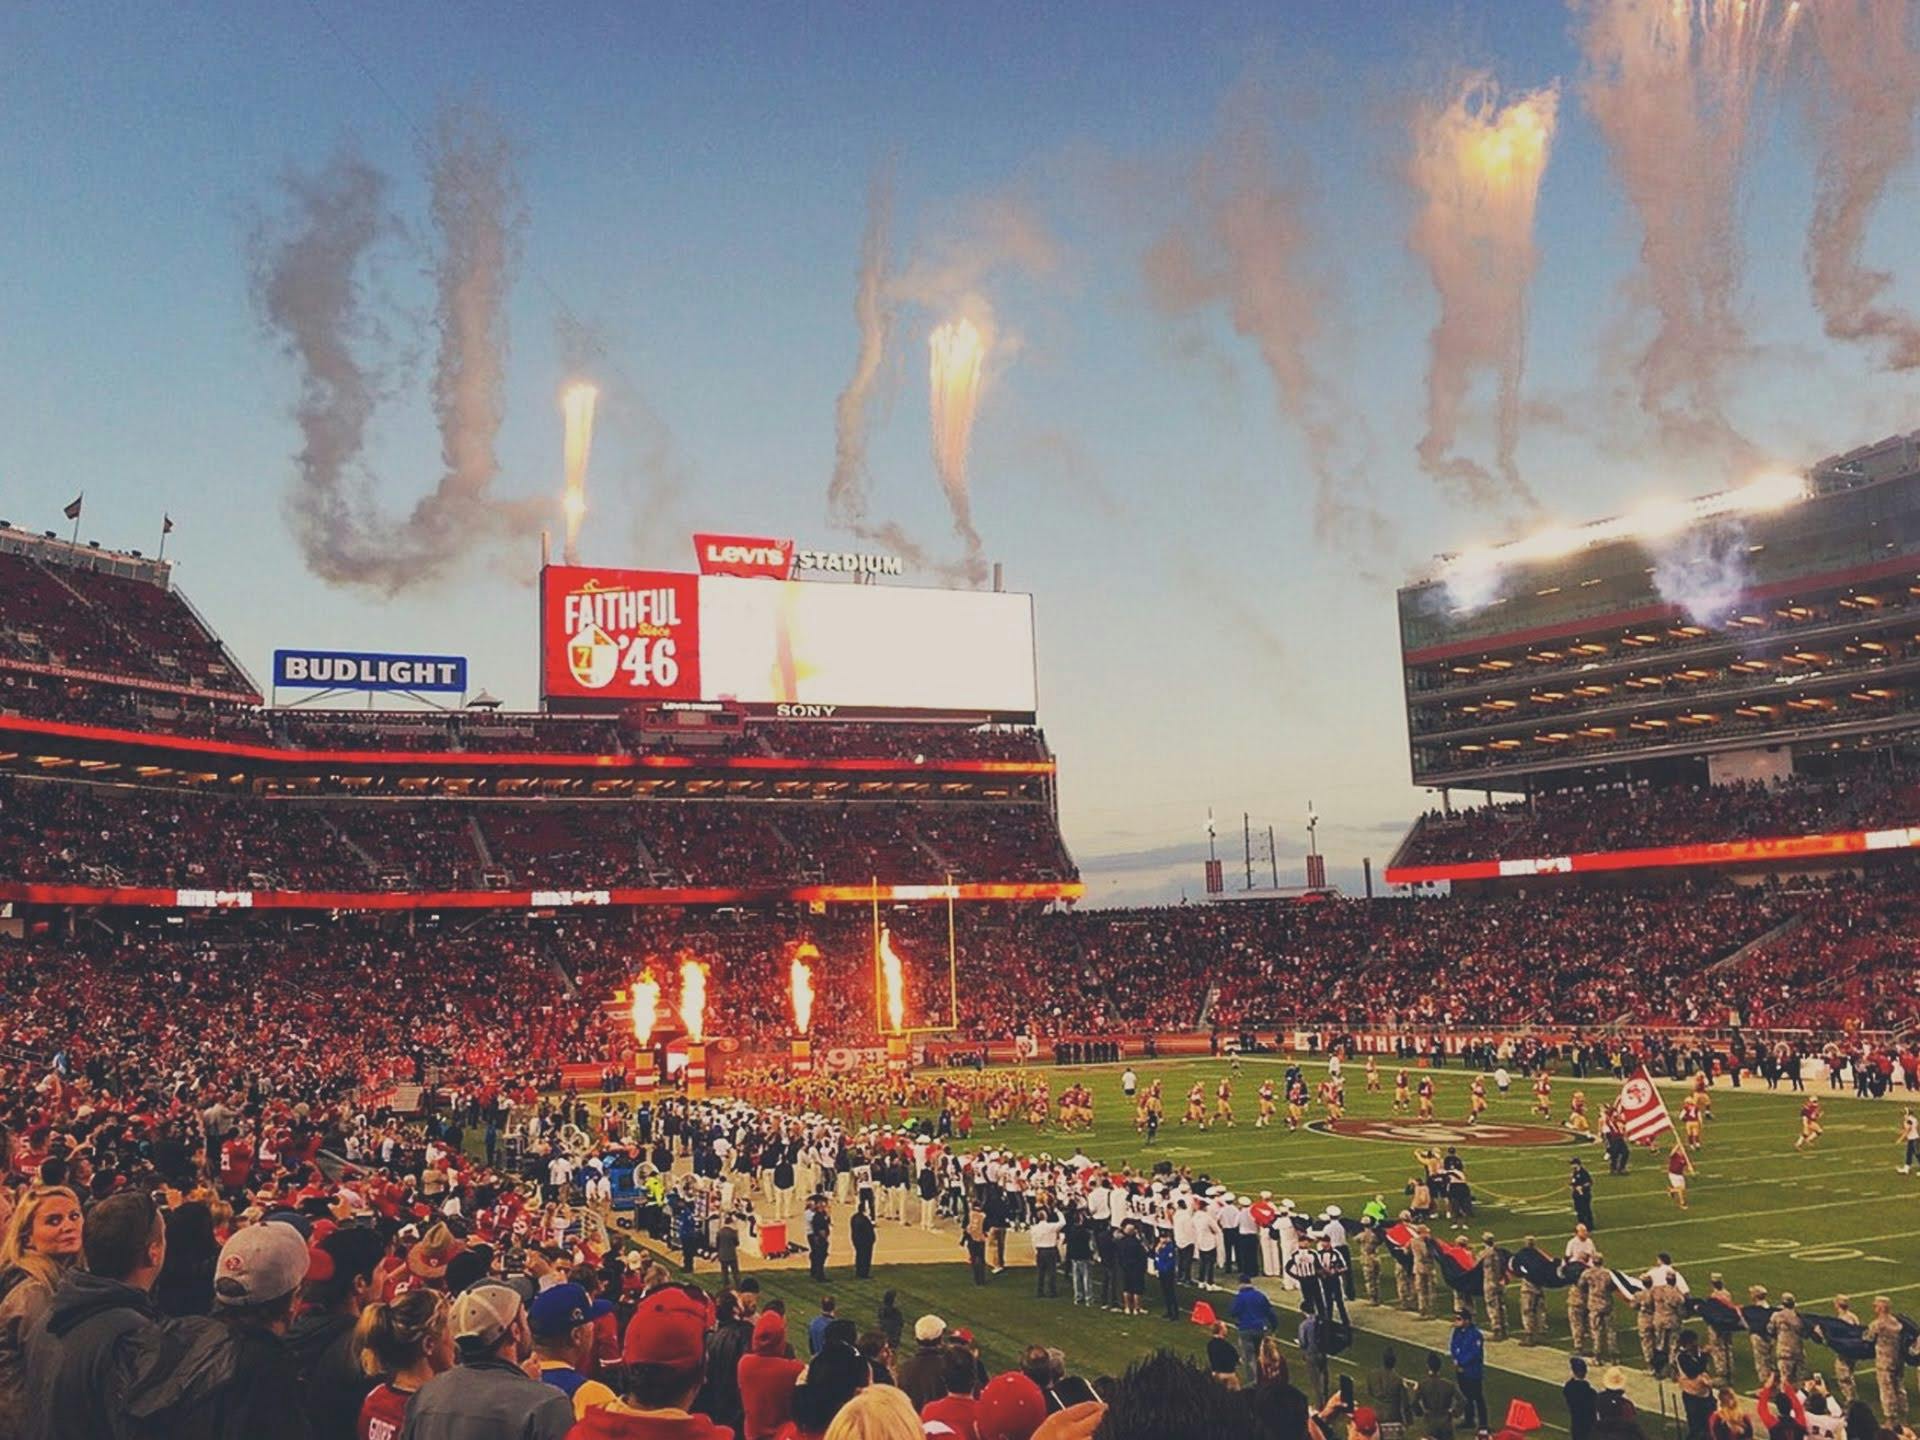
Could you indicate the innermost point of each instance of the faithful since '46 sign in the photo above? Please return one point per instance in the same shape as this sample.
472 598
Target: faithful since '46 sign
620 634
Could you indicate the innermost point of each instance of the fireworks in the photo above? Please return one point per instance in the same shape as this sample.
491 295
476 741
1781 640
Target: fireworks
801 973
893 978
576 404
645 1007
693 996
1477 164
959 350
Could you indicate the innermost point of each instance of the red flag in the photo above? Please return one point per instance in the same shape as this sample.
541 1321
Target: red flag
1643 1113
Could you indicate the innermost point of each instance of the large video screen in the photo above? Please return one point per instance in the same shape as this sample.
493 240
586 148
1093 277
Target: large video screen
625 636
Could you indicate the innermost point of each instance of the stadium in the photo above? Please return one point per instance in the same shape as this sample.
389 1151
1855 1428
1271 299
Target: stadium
665 895
473 967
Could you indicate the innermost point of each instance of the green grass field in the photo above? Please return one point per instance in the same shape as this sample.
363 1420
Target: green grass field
1836 1218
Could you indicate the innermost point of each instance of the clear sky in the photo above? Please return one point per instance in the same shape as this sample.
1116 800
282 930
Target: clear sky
695 182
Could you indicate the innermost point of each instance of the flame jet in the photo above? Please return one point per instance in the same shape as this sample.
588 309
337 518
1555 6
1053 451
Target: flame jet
800 973
693 996
958 352
1477 166
893 977
1672 85
576 405
645 1009
1865 132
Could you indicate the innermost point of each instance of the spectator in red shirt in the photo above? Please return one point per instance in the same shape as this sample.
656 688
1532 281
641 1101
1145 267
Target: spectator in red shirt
955 1409
768 1373
666 1360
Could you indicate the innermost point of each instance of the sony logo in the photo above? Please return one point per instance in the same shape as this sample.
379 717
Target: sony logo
805 712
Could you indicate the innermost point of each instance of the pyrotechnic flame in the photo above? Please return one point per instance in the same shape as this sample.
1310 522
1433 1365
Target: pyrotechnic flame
801 971
576 403
1477 164
646 1007
693 996
958 351
894 978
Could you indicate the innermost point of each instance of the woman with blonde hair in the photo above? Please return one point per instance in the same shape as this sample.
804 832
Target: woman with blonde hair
878 1412
41 1243
1730 1420
408 1343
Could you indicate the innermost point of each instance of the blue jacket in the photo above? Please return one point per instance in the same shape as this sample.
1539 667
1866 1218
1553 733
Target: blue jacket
1166 1259
1469 1350
1251 1310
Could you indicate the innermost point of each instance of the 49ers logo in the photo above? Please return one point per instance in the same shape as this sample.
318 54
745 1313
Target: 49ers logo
1443 1132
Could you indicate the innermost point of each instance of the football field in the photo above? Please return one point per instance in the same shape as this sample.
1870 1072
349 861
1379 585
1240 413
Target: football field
1835 1218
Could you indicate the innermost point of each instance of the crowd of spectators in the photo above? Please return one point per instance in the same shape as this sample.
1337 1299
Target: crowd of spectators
62 832
1621 817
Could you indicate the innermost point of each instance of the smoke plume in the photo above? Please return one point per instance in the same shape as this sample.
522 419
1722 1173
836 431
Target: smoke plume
1477 166
1704 570
307 274
1865 133
1246 250
874 313
309 269
1672 85
957 354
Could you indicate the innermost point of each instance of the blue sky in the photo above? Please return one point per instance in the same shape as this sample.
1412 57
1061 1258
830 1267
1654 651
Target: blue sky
695 180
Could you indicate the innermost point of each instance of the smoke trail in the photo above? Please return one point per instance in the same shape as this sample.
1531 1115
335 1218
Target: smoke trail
1248 251
306 275
1477 165
874 315
576 405
1672 84
1865 133
477 210
957 352
306 285
1704 570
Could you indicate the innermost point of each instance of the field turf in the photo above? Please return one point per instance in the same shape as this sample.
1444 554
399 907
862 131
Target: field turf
1835 1218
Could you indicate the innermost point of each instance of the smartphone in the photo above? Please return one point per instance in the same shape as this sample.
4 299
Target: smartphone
1346 1391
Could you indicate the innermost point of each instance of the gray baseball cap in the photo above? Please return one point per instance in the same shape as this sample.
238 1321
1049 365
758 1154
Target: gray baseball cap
260 1264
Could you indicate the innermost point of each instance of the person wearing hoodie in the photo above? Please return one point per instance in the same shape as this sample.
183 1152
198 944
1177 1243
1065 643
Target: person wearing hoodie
73 1378
338 1286
665 1353
729 1343
767 1374
231 1376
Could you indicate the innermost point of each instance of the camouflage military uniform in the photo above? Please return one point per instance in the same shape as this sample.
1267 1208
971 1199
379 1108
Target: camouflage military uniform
1369 1244
1598 1284
1789 1344
1888 1338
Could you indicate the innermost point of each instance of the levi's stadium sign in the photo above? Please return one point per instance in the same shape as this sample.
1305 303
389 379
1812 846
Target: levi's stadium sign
359 670
754 558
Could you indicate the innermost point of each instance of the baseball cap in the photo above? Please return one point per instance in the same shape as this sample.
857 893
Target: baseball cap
558 1311
260 1264
669 1328
929 1328
963 1335
1366 1420
484 1313
1010 1407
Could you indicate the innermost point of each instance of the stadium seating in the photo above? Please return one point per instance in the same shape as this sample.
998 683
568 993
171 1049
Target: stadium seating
1618 817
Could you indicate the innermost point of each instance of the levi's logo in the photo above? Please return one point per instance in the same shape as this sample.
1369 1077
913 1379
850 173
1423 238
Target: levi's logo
744 555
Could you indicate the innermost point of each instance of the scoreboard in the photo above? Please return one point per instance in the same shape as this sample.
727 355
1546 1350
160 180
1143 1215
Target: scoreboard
611 638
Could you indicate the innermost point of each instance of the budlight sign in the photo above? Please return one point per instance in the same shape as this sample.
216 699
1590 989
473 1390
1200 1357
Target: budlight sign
361 670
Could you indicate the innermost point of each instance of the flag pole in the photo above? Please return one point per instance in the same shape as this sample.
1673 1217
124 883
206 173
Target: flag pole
78 506
166 525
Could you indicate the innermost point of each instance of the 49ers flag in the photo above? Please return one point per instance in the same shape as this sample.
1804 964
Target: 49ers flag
1643 1114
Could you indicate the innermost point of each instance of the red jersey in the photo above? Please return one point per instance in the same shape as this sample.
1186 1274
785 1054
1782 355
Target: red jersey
1676 1163
1810 1110
382 1413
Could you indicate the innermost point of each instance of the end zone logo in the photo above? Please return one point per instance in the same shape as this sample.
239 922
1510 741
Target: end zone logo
1443 1132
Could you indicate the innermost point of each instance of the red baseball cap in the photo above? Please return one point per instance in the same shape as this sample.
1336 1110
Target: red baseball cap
1011 1407
669 1328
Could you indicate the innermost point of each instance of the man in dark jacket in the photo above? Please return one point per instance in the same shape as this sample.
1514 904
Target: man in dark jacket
862 1229
732 1337
74 1375
230 1377
920 1374
338 1285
